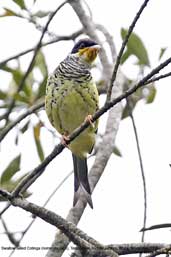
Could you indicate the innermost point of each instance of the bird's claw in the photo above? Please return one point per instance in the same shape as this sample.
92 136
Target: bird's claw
64 140
89 118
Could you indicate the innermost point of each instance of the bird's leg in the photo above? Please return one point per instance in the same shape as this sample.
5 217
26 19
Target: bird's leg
89 119
65 138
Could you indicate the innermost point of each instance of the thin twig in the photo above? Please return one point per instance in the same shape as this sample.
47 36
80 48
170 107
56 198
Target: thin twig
158 78
5 209
125 41
20 86
9 234
141 167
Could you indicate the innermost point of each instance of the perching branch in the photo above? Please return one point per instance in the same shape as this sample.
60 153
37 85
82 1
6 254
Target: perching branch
125 41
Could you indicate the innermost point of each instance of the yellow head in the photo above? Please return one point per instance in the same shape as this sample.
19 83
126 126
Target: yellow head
86 49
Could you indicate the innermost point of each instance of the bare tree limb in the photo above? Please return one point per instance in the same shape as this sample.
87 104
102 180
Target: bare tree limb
77 236
125 41
165 250
123 249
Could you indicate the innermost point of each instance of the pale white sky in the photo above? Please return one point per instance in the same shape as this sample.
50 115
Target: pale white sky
118 195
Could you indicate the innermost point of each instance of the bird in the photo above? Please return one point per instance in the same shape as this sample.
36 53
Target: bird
71 98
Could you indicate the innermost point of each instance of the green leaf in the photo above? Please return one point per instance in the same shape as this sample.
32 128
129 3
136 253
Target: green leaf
20 3
8 12
25 94
3 95
36 131
12 168
162 51
151 95
41 14
41 63
133 99
125 56
135 46
117 152
11 185
42 89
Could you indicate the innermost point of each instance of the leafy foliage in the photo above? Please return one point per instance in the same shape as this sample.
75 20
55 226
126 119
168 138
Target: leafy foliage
6 180
135 46
10 171
162 51
36 132
146 93
20 3
117 152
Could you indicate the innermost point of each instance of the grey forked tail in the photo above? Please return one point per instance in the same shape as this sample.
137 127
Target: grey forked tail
81 182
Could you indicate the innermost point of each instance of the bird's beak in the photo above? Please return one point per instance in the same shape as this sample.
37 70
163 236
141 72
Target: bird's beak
90 53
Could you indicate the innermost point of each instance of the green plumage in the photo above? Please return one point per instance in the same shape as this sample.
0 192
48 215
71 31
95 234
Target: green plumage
71 96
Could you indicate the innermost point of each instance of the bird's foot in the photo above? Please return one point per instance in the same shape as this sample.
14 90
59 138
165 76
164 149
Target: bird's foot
89 118
64 140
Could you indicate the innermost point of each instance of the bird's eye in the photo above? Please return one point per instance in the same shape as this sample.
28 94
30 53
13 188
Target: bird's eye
82 45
